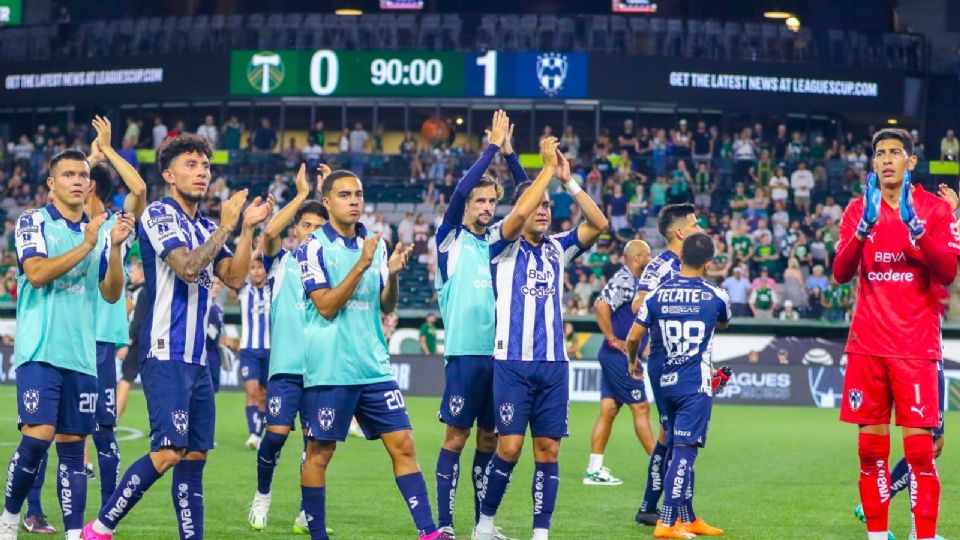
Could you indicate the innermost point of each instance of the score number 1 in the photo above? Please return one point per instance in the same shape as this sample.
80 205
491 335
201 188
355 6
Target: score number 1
489 64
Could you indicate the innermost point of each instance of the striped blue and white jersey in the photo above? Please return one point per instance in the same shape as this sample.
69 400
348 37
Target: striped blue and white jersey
618 294
255 315
663 267
528 286
175 326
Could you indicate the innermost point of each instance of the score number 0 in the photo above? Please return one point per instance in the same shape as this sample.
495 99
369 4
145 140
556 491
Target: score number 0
328 59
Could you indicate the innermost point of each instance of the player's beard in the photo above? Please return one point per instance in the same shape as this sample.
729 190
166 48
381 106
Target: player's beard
189 197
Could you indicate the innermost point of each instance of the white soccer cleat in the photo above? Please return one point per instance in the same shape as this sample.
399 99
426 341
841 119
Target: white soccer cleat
448 530
253 442
355 431
601 478
477 535
498 535
8 531
259 509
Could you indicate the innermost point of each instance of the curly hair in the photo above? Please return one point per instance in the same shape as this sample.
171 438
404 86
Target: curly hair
185 143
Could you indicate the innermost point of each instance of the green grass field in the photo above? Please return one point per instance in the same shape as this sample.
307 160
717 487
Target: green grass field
768 472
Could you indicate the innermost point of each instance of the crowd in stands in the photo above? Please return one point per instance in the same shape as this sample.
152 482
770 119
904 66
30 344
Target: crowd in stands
647 36
771 200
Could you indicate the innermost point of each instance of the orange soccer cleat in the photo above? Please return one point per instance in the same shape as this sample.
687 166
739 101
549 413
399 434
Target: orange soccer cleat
676 530
702 528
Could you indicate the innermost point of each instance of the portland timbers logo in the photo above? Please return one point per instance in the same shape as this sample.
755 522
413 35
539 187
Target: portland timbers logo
265 71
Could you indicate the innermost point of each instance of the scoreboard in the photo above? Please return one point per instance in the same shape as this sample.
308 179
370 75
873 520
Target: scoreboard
336 73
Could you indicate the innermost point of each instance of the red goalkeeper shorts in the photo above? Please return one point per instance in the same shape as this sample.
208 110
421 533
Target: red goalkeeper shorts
872 385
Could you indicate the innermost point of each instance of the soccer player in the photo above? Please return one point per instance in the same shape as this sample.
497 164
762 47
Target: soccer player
182 250
900 241
350 280
112 328
214 333
530 379
614 317
65 261
288 320
681 316
465 292
675 222
255 348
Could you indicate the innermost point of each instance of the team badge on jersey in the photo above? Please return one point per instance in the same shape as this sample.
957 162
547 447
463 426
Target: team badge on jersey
456 405
181 421
856 399
636 394
506 413
274 405
31 401
325 418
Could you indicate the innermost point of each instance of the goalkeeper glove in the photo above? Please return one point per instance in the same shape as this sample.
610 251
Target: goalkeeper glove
720 378
907 213
871 207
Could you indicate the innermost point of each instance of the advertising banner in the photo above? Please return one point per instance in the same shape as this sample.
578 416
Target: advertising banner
115 80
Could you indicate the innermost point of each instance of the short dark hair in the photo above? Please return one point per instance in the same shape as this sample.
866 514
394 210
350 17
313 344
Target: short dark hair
104 179
672 213
70 154
327 185
697 250
518 191
894 134
311 207
185 143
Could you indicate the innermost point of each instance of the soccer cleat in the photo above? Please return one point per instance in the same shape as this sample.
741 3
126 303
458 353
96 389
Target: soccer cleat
675 531
355 431
8 531
498 535
259 509
700 527
302 526
89 534
91 473
253 442
448 530
601 478
858 511
648 518
913 536
37 525
477 535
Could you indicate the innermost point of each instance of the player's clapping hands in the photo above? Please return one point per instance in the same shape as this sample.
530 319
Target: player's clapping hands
91 233
103 129
907 213
258 211
548 150
398 261
871 206
322 171
121 229
230 212
948 194
499 128
369 249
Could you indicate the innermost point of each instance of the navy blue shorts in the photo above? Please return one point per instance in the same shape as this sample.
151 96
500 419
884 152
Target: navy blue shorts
687 418
181 405
942 384
255 365
379 409
284 400
107 383
52 396
468 393
615 381
535 393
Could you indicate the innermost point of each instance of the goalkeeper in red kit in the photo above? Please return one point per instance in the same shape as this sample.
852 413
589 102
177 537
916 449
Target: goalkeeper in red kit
902 242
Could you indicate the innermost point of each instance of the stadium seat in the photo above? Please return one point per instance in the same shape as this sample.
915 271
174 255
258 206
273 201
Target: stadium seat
598 31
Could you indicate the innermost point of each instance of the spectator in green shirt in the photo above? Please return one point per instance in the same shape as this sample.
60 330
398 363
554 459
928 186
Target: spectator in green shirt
428 335
230 134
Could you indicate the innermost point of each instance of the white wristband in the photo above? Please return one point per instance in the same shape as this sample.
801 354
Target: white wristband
572 187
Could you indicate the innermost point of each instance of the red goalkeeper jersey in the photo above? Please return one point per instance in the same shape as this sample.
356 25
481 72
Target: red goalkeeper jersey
897 312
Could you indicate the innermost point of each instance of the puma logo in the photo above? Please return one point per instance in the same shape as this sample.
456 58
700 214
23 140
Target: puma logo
918 410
